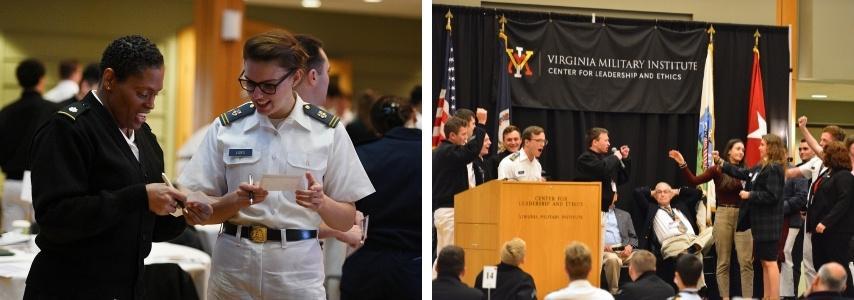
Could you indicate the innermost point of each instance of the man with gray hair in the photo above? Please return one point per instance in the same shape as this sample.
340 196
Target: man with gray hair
829 282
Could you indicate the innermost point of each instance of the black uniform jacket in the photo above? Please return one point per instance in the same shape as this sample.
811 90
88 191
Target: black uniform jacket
833 202
648 287
603 168
450 175
18 124
448 287
90 201
512 283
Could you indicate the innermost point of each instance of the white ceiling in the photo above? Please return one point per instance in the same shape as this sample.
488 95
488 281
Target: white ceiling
835 91
394 8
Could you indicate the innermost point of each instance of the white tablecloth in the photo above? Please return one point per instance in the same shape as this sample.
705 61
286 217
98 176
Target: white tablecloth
14 269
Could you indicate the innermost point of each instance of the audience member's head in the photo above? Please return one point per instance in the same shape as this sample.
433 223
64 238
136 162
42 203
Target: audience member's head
804 151
577 261
689 268
734 152
772 150
511 138
831 277
831 133
663 193
533 141
415 98
451 261
836 156
597 140
69 69
91 78
315 84
513 252
468 115
642 261
30 75
390 112
484 150
455 131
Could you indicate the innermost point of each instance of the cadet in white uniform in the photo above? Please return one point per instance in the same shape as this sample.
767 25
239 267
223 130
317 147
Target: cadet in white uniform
524 165
268 248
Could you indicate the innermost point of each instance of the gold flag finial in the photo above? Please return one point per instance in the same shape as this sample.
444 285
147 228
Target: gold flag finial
448 16
756 36
502 21
711 33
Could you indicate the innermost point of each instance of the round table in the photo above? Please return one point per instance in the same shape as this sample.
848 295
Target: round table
14 269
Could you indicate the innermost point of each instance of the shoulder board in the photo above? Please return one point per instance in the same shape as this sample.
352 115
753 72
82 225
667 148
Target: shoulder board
74 110
321 115
237 113
514 156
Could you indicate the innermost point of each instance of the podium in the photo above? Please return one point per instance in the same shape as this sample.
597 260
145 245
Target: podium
547 215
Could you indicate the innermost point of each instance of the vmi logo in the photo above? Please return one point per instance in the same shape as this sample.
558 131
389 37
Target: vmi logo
519 61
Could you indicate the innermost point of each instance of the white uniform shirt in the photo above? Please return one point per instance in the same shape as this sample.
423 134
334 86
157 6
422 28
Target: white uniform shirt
299 144
811 170
63 90
517 166
665 227
580 290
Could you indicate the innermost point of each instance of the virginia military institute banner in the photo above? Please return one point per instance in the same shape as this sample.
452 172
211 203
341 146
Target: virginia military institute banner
605 68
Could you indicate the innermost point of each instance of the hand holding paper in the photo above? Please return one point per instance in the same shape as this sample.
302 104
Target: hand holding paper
198 208
313 198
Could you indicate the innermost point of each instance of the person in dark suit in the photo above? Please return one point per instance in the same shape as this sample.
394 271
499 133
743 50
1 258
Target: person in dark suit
388 265
831 208
763 206
449 172
512 283
450 266
829 283
598 164
97 191
645 285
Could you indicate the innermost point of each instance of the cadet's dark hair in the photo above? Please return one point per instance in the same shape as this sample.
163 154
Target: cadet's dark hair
312 46
451 261
67 68
389 112
465 114
277 45
130 55
92 74
690 268
593 134
29 72
454 125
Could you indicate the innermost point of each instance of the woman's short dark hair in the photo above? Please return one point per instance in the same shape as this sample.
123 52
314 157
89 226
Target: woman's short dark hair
390 112
278 46
130 55
836 156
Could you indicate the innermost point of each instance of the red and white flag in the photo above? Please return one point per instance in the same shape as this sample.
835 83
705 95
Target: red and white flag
756 125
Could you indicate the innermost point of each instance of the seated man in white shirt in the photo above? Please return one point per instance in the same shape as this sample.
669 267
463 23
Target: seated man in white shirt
689 272
578 263
524 165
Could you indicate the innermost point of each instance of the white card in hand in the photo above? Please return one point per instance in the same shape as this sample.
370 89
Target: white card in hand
279 183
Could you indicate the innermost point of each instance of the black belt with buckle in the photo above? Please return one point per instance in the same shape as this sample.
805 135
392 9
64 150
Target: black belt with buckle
729 205
261 233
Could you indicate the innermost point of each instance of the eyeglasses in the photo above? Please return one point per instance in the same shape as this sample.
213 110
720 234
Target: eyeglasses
266 88
543 141
803 149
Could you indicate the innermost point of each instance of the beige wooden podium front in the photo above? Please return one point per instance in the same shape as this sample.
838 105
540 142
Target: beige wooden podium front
547 215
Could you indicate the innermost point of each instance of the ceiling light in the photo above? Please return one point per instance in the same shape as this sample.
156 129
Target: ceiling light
373 1
819 96
311 3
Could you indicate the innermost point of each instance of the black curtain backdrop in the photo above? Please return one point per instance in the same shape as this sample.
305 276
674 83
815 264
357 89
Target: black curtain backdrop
650 135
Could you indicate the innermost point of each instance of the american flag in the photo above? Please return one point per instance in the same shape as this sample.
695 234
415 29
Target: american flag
447 103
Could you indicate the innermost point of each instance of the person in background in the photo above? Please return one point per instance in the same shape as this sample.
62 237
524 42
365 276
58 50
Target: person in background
69 82
645 285
360 129
388 265
763 200
689 270
726 218
415 102
830 283
313 88
97 190
451 266
511 142
577 263
18 124
831 209
89 81
794 201
512 283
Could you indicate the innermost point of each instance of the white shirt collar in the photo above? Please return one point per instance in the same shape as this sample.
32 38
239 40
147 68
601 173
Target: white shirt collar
297 115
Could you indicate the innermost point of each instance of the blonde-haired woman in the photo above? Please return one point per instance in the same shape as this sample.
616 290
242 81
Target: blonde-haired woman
511 282
763 206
